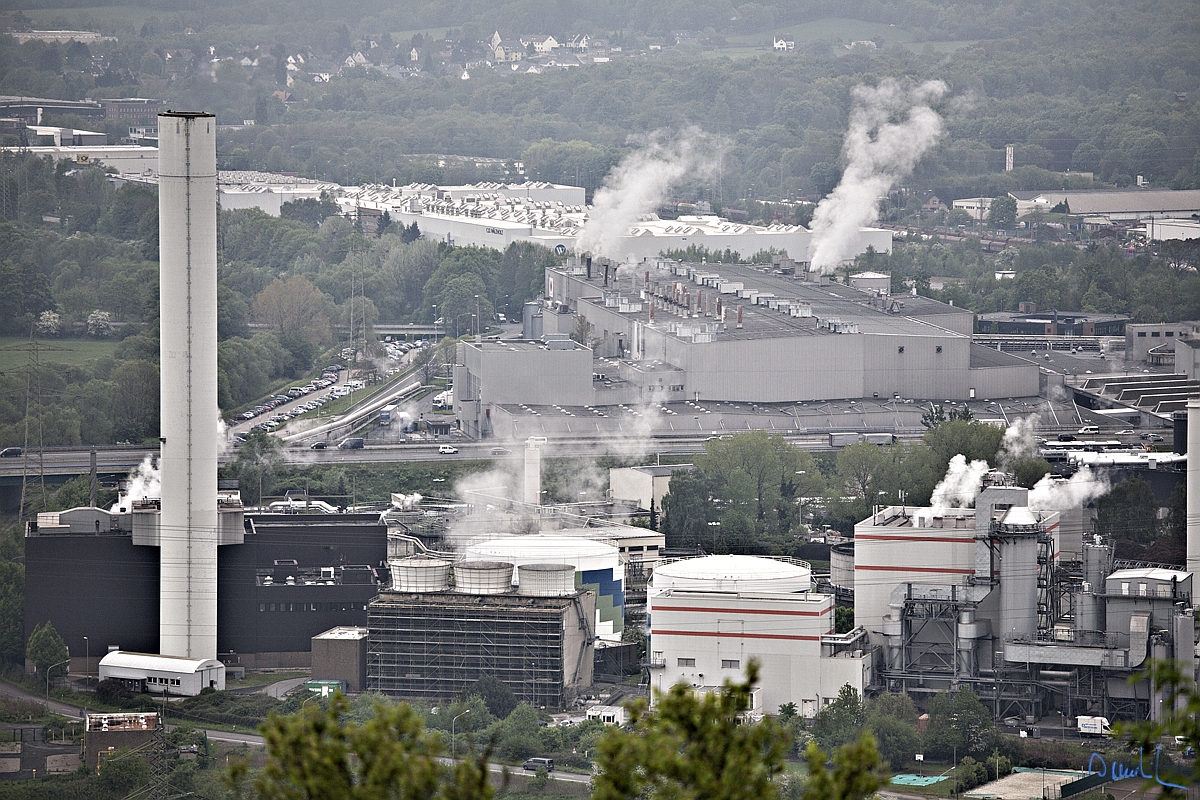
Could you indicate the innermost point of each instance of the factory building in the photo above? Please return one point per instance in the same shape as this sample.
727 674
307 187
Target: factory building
497 215
1000 599
430 640
93 574
707 617
666 331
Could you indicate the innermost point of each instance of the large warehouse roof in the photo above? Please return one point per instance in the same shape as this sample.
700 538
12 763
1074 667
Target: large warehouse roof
157 663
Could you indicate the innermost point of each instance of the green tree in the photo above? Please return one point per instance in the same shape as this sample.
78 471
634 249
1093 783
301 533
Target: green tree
1002 212
1128 511
45 648
12 611
254 467
856 775
499 698
317 754
959 723
1178 718
843 619
693 746
841 721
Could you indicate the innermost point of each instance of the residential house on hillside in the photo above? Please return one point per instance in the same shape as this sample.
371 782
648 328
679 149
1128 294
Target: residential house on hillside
579 42
784 45
542 43
508 51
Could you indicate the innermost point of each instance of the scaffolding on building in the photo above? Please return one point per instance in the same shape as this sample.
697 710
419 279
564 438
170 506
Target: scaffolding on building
435 645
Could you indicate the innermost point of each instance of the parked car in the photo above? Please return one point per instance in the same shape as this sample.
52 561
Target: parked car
447 449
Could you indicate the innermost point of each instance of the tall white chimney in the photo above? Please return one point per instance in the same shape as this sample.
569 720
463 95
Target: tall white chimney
1193 486
533 473
187 230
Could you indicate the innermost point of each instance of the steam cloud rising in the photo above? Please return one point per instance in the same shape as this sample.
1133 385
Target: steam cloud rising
641 182
960 486
891 127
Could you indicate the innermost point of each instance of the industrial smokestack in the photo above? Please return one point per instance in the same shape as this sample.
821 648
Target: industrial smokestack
739 322
1193 486
588 261
647 279
187 213
719 309
533 473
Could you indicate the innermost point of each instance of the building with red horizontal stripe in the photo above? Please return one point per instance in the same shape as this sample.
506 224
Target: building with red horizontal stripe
708 617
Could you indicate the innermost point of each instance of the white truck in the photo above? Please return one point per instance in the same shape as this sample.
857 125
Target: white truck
1093 726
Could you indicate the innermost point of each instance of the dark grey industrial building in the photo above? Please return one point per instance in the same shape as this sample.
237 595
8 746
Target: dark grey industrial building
293 577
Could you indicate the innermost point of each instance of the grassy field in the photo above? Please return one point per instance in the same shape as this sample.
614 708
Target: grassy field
261 679
14 353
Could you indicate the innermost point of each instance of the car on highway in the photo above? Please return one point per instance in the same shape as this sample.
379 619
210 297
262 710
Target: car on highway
1126 432
11 452
447 449
1152 437
317 446
534 764
501 451
353 443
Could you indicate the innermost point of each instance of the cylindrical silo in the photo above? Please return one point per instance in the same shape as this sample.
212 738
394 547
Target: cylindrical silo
419 574
187 215
1018 575
483 577
598 568
841 565
546 580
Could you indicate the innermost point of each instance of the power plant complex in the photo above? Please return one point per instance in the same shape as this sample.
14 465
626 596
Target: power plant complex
1010 595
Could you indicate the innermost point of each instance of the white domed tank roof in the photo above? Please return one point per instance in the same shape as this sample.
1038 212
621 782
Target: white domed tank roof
545 548
597 566
734 574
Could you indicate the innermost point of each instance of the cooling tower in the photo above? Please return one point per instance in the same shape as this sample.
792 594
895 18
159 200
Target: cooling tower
187 213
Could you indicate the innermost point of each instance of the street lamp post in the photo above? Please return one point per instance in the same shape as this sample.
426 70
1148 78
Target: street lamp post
468 711
48 670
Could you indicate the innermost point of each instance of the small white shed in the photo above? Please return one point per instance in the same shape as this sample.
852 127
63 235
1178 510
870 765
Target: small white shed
158 674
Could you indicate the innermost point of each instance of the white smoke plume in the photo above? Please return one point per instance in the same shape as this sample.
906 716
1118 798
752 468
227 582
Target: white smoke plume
145 482
891 127
960 486
1019 441
642 181
1055 494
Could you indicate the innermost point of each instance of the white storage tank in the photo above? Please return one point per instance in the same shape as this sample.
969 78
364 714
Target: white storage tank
419 574
483 577
734 574
841 565
546 580
598 569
